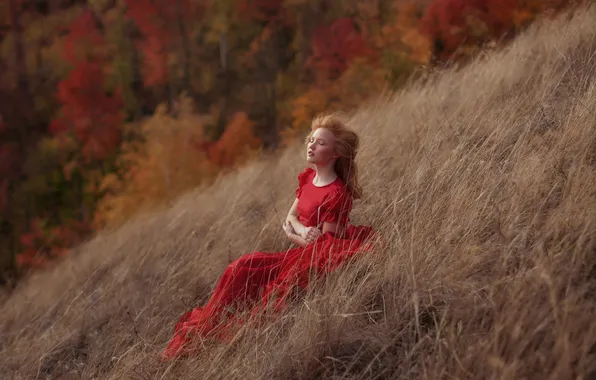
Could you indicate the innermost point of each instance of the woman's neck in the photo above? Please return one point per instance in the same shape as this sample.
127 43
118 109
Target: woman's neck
325 174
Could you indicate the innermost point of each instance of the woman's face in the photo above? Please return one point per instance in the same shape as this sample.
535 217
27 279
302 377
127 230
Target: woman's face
321 147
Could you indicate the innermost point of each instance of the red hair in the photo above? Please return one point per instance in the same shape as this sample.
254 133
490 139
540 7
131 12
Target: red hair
346 146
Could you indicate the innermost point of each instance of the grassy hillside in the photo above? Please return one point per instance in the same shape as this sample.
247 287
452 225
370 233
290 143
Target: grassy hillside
482 183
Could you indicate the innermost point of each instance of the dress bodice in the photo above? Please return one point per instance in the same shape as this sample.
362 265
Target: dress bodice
317 204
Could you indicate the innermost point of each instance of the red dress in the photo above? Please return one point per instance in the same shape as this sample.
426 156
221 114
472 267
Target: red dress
258 279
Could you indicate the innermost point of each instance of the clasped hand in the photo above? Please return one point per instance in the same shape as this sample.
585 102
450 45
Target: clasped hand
310 233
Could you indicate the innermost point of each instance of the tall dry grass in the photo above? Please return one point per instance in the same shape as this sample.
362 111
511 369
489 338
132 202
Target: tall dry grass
483 186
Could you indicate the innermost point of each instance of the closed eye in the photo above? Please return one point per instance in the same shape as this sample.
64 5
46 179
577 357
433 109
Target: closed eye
321 142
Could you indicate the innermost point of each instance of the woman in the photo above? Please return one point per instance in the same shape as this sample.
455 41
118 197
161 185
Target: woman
318 222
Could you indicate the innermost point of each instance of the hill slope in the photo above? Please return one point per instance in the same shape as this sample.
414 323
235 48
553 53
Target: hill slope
482 183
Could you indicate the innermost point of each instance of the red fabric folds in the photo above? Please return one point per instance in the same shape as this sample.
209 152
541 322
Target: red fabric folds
264 279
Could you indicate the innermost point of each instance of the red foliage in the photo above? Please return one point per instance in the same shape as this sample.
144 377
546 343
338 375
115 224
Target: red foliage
40 244
335 45
155 67
158 22
82 32
448 20
146 15
470 22
31 242
89 112
91 115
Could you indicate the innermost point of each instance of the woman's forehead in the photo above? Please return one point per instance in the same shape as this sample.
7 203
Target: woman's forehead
324 134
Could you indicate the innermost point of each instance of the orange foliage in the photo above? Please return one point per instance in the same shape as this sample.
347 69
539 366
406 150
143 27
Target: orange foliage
237 141
165 164
304 107
403 35
358 83
256 44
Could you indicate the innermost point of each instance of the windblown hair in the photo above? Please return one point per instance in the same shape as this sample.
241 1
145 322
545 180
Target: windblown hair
346 146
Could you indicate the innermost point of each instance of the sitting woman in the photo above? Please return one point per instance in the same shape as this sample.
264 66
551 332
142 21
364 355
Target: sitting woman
318 222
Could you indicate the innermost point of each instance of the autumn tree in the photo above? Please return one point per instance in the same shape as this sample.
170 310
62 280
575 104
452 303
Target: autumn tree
237 142
91 119
459 27
166 30
167 159
44 242
335 45
267 59
10 155
84 138
266 11
21 122
23 86
90 113
401 45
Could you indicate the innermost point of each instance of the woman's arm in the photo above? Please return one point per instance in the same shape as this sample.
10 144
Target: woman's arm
292 217
297 239
293 236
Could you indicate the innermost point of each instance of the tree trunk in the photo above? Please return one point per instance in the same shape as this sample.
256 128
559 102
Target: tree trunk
223 60
8 262
185 48
23 85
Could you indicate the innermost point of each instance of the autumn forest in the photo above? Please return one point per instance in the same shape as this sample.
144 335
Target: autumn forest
108 107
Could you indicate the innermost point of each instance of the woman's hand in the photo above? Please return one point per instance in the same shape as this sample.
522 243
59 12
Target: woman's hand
311 234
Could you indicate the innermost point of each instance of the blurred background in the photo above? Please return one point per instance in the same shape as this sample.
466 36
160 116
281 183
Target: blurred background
110 107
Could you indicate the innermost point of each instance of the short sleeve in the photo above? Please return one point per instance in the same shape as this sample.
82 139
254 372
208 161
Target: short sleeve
336 207
303 180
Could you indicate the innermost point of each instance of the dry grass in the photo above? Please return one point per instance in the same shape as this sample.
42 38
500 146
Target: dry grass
483 184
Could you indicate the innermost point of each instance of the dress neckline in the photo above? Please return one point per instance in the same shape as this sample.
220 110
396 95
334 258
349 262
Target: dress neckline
321 187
